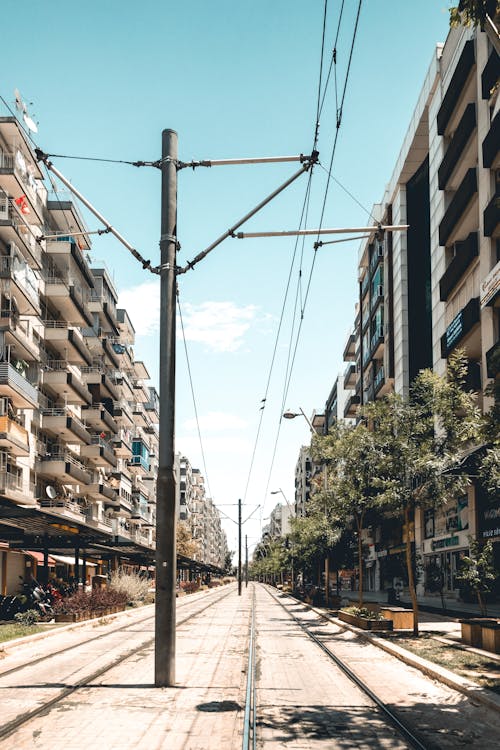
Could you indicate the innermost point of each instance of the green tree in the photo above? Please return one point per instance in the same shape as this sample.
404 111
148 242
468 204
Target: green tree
477 571
353 488
423 439
473 12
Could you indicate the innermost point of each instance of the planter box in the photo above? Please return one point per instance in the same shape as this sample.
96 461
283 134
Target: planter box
491 637
71 616
472 633
402 619
364 622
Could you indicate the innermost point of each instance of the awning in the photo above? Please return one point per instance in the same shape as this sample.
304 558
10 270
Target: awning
38 556
66 560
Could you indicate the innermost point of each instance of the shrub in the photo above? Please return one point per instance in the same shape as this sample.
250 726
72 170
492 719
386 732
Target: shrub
363 612
132 585
189 587
30 617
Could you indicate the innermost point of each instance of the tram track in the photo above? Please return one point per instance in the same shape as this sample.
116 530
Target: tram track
402 727
79 644
24 718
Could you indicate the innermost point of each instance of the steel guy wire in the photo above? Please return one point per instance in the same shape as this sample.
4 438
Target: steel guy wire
193 394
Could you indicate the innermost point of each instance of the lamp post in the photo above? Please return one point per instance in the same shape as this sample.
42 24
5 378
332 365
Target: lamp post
291 415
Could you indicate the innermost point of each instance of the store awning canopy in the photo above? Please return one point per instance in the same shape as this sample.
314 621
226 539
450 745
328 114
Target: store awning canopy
67 560
38 556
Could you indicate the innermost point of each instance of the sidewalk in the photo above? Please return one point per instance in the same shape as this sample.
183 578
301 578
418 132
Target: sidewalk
454 608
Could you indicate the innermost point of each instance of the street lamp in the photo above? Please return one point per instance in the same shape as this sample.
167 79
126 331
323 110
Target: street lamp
291 415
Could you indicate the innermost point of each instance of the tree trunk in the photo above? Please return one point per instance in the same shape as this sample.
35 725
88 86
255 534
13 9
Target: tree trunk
359 522
360 553
409 567
482 607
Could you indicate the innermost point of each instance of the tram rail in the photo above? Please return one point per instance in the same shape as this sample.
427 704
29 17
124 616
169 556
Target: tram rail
24 718
404 730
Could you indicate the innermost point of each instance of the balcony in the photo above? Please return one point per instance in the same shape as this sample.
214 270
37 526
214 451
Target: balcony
125 384
17 231
13 437
20 283
105 306
490 146
457 145
350 376
460 326
458 206
377 343
350 349
15 489
456 86
63 424
377 297
20 335
17 180
122 444
70 301
15 386
490 75
99 382
138 465
100 452
351 406
141 418
99 418
491 215
122 414
141 393
67 341
64 380
102 492
493 361
465 252
64 467
64 252
64 508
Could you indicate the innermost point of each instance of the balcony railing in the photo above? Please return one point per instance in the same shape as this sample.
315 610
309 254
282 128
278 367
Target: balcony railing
10 482
63 505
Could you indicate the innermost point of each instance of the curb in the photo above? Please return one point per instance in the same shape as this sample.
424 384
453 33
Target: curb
446 676
5 646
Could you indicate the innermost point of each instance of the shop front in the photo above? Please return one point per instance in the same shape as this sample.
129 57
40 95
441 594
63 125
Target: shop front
445 542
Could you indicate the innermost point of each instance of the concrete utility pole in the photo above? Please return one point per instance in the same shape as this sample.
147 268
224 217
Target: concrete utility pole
246 560
239 547
166 569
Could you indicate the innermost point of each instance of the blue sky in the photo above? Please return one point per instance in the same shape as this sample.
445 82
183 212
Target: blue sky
234 80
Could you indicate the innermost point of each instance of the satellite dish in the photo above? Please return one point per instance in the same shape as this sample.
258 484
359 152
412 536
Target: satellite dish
30 123
51 492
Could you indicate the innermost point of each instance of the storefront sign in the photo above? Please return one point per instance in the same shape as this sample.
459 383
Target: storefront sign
490 518
490 287
449 541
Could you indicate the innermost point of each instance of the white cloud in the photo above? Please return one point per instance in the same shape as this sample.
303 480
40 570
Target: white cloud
216 421
219 325
142 304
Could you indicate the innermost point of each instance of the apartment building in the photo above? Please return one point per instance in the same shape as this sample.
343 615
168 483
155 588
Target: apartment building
427 290
78 424
202 515
303 477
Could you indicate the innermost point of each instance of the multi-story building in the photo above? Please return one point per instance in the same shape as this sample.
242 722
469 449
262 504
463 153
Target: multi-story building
429 289
78 437
303 477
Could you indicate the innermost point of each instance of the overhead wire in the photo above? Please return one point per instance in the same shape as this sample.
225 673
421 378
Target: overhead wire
193 395
323 208
276 341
